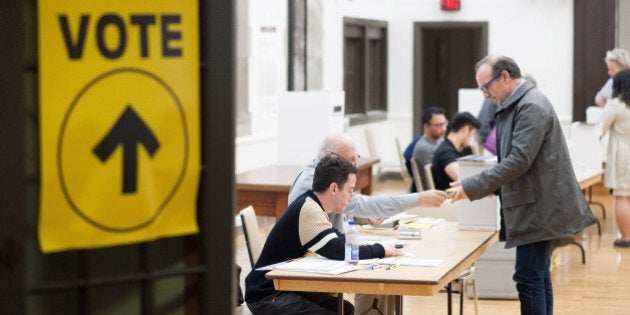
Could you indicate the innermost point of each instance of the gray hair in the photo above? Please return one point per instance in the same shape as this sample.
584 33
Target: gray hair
618 55
333 142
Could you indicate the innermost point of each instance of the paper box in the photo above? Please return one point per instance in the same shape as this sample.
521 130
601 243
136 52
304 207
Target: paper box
482 214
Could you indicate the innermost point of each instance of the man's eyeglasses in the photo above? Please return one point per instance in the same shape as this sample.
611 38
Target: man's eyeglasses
485 87
439 125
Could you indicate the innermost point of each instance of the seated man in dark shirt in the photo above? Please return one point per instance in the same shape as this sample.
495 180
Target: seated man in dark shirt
305 227
422 147
460 130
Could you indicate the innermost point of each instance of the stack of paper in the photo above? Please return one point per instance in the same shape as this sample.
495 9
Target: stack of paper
423 223
318 265
392 221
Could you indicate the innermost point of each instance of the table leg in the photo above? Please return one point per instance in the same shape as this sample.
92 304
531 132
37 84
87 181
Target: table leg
282 202
365 179
591 202
368 189
340 303
449 292
461 297
398 299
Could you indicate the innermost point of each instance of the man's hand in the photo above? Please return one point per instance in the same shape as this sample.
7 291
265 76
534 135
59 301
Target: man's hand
390 251
457 191
376 221
431 198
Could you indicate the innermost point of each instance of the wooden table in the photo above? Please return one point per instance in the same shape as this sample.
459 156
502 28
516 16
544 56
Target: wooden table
587 178
458 249
267 188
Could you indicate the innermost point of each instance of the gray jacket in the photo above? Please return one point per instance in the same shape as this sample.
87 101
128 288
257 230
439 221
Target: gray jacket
540 196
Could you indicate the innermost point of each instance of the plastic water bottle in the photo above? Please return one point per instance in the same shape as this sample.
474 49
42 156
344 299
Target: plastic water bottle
352 243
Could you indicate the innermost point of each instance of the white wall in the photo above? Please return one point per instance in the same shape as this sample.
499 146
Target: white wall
537 34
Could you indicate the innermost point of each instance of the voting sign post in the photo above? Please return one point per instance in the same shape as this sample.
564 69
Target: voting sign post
119 122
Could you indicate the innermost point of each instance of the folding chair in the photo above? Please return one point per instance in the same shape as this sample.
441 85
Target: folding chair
253 238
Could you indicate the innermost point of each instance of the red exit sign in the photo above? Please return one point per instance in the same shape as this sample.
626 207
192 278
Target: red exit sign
450 5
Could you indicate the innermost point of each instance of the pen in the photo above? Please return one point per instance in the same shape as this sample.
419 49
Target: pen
392 266
374 266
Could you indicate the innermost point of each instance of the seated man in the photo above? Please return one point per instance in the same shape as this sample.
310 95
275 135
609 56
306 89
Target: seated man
304 227
460 130
342 146
423 147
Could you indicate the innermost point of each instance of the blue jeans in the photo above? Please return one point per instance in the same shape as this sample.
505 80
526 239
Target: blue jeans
532 277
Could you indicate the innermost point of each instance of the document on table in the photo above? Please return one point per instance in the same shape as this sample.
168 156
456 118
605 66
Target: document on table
402 217
405 261
273 266
424 223
318 265
371 238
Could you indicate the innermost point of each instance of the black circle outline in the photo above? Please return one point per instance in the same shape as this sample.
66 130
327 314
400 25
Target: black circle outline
60 145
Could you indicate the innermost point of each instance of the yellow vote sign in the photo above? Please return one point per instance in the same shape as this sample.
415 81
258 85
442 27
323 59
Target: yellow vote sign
119 121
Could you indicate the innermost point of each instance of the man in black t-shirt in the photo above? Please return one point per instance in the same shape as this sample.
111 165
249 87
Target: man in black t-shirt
460 130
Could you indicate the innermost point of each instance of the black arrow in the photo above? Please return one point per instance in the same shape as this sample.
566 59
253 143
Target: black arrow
128 130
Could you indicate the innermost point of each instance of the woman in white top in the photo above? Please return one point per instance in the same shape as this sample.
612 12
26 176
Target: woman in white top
616 121
616 60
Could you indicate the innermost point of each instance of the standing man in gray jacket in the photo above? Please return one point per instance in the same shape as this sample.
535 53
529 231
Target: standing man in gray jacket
540 196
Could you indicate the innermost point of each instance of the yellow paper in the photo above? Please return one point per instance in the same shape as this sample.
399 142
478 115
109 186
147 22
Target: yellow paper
119 121
418 225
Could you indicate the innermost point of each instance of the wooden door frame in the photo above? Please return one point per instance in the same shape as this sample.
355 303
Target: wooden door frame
593 35
418 67
12 160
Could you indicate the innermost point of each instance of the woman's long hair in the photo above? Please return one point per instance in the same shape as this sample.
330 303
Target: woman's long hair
621 86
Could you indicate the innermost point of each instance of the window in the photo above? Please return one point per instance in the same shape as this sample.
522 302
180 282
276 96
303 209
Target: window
365 70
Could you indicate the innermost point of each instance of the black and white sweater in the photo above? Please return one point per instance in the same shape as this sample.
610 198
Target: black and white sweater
303 227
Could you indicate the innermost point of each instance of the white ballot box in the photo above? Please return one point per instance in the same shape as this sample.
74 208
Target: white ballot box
482 214
587 151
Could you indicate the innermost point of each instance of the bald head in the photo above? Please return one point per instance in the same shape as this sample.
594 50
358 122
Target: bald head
339 145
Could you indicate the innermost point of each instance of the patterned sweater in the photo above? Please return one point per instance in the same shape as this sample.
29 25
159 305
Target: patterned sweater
303 227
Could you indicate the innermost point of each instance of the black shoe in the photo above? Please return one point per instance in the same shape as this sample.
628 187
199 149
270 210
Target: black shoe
621 243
